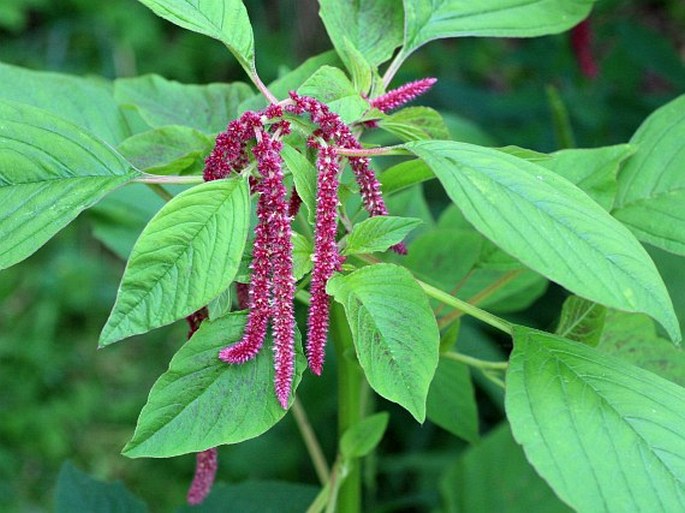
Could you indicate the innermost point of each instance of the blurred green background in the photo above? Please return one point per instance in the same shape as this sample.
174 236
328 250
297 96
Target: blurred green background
62 399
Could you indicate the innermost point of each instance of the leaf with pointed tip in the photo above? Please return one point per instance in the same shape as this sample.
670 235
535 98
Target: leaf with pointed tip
394 331
378 233
581 320
304 176
651 187
607 436
161 102
363 437
551 226
426 20
186 256
51 171
302 255
224 20
202 402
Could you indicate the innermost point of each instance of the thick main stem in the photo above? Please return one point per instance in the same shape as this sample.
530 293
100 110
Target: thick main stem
349 405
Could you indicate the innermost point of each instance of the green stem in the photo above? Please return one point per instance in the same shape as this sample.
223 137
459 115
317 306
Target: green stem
161 191
467 308
349 405
394 67
311 442
563 130
475 362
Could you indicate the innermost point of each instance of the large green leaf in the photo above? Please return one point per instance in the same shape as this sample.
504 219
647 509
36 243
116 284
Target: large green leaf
426 20
88 103
651 187
224 20
373 27
186 256
51 170
495 476
633 338
551 226
163 102
202 402
605 435
394 331
304 176
77 491
415 124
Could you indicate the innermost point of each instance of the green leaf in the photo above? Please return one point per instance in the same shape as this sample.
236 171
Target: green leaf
377 234
88 103
119 218
304 176
202 402
593 170
77 491
224 20
362 438
364 75
426 20
405 174
186 256
415 124
651 187
51 171
633 338
581 320
256 497
551 226
291 80
167 150
394 331
495 476
605 435
302 255
451 400
161 102
331 86
373 27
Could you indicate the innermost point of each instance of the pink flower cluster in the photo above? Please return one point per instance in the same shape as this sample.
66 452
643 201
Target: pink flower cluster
255 136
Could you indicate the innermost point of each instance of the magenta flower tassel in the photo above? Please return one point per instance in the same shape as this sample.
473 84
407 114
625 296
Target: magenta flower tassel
403 94
326 257
272 186
581 43
206 463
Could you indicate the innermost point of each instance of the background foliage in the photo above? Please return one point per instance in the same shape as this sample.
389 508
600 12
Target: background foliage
62 399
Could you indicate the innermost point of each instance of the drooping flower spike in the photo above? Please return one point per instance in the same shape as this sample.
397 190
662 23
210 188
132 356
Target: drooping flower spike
403 94
206 462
